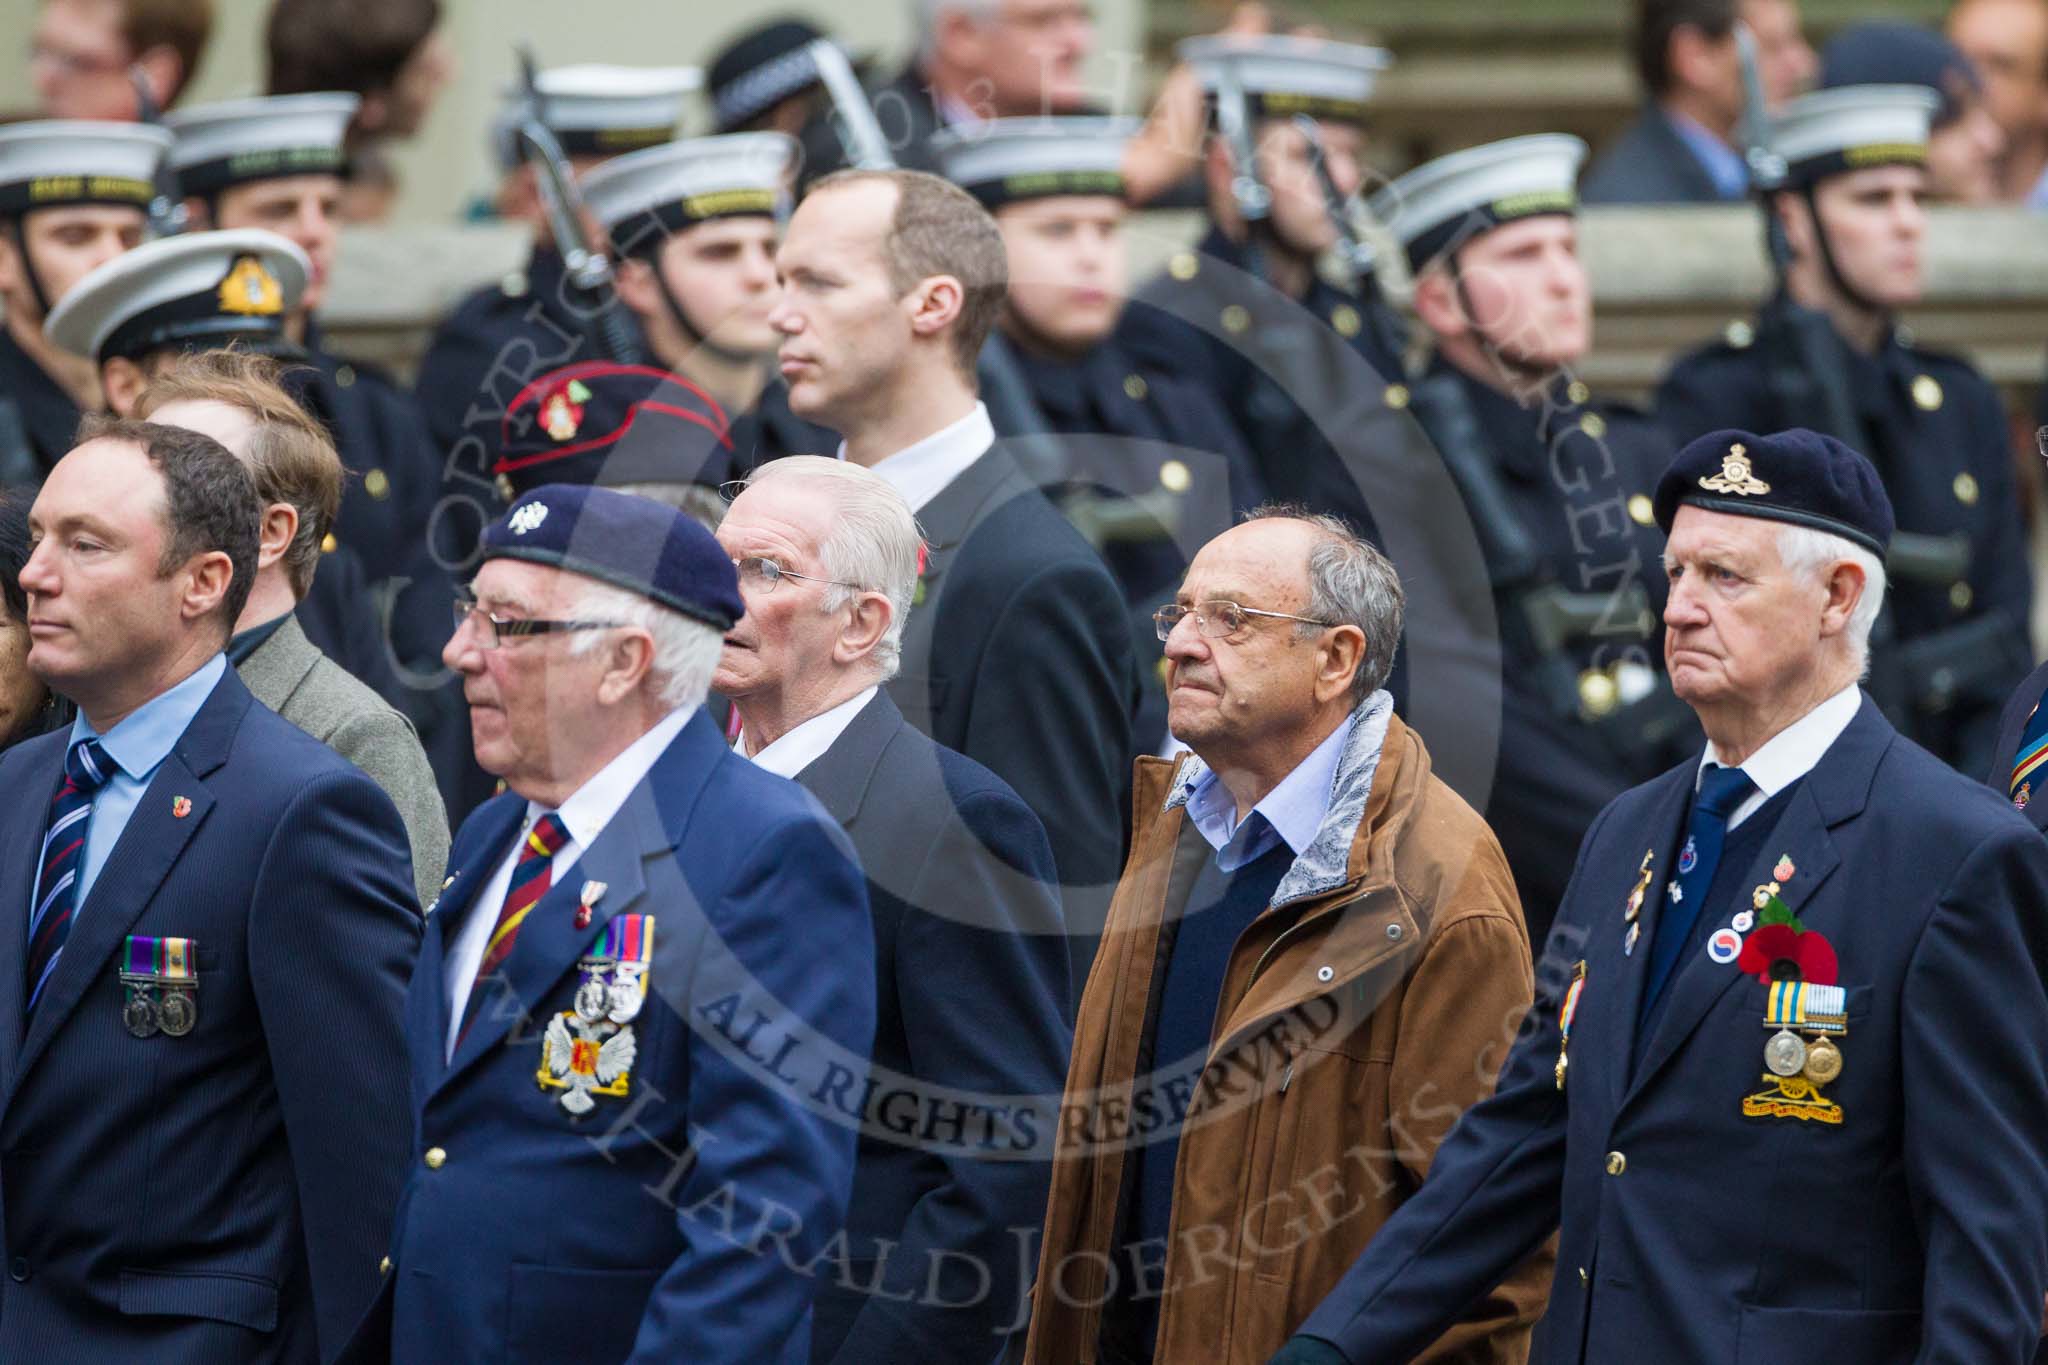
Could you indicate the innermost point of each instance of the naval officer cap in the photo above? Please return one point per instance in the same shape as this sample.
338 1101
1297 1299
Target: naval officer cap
642 197
1282 75
598 422
51 162
1800 477
630 542
1006 160
1892 53
199 291
1852 128
598 110
235 142
1443 203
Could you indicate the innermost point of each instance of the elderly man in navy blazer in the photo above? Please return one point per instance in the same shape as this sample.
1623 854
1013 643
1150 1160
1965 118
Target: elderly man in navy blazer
973 989
209 922
647 986
1784 1088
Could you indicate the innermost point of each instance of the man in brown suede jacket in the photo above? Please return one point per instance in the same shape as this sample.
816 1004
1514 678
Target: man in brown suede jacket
1314 962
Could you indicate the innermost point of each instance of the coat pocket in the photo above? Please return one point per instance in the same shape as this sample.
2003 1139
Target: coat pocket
245 1300
560 1313
1784 1336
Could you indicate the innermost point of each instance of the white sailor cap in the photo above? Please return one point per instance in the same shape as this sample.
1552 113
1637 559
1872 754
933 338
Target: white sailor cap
1852 127
643 196
1008 159
237 141
597 110
1443 202
1282 75
198 291
48 162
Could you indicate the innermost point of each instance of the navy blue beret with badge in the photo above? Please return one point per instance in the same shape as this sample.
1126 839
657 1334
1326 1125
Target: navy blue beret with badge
613 425
1800 477
631 542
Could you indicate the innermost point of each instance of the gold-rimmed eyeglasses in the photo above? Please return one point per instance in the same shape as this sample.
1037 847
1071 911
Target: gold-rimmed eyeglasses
1221 618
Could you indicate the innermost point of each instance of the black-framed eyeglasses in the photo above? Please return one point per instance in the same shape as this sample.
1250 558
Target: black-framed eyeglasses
763 574
493 631
1221 618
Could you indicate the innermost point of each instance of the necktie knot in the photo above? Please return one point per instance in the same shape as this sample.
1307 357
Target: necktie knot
1722 790
546 838
88 766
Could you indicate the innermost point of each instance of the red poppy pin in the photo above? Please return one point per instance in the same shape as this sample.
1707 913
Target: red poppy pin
1783 949
923 558
181 806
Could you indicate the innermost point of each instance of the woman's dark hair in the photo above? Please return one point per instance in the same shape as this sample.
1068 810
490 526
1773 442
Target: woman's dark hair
14 551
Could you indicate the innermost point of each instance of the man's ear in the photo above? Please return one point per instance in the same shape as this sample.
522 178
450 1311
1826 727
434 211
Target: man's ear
1438 305
936 302
122 382
198 216
1845 589
207 586
1339 657
280 527
630 657
164 72
634 279
865 629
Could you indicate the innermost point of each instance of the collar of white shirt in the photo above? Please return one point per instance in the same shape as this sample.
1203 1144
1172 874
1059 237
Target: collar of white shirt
921 472
808 742
1791 753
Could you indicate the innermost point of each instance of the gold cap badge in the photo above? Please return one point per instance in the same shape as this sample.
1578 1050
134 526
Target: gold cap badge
1735 476
251 291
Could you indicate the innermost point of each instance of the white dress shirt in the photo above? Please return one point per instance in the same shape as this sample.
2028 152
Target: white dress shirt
585 814
807 743
921 471
1791 753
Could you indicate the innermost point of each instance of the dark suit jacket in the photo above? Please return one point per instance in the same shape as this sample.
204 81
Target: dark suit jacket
972 1001
1649 164
2012 723
1018 654
1914 1230
223 1196
662 1225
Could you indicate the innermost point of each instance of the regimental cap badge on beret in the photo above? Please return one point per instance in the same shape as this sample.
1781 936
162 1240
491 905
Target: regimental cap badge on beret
527 517
250 290
1736 476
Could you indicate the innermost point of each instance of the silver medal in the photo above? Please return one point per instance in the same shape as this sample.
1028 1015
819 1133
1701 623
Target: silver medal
1785 1053
177 1012
139 1014
591 1001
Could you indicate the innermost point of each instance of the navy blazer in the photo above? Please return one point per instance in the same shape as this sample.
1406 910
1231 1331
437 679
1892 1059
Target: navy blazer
2012 723
223 1196
972 1001
1649 164
1915 1230
663 1225
1019 655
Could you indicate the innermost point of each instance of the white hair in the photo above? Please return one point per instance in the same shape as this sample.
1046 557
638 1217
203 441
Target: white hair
1805 550
686 652
873 542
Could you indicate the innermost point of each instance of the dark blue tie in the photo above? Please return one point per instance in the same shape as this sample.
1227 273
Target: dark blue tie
86 770
1721 791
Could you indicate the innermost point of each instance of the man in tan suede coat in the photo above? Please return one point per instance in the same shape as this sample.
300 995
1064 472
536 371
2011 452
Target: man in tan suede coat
1314 962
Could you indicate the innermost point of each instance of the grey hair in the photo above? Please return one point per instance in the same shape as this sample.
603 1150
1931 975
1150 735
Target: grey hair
873 542
686 652
1804 550
1350 583
924 18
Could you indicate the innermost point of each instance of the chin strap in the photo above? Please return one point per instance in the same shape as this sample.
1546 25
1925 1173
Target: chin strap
1518 367
1855 297
693 336
28 268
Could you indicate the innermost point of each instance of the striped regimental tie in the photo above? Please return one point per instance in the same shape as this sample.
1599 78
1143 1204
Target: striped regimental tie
86 769
2028 759
530 881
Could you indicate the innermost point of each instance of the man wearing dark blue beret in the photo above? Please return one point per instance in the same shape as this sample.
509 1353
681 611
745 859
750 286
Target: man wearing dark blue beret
1785 1100
646 988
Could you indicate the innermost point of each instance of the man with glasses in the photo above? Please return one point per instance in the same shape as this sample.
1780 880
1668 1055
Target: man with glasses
649 961
1313 964
972 991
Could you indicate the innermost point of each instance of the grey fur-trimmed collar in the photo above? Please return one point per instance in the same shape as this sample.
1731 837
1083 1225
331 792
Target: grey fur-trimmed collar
1324 865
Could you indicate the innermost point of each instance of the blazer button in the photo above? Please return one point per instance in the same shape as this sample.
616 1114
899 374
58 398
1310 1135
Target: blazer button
17 1270
384 1267
436 1158
1616 1163
1584 1278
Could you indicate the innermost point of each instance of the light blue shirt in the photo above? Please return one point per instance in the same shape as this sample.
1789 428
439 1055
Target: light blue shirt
1722 163
1293 811
138 746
